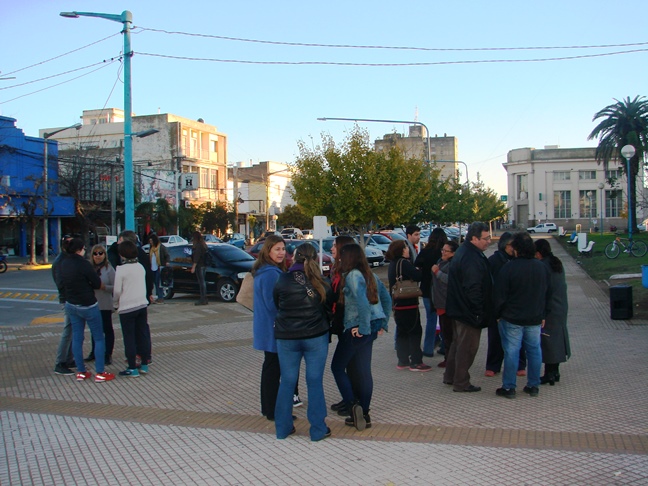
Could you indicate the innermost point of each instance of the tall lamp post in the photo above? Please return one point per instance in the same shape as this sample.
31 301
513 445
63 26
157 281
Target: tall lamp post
46 188
589 200
125 18
601 186
429 157
628 152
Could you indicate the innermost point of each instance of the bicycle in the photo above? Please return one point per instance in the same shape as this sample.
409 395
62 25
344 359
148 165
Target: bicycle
635 248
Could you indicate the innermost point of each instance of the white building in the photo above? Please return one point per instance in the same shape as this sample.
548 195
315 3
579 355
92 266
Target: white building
566 187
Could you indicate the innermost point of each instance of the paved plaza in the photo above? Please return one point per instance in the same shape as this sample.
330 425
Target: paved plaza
195 418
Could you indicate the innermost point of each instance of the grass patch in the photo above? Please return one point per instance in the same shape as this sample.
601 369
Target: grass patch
601 268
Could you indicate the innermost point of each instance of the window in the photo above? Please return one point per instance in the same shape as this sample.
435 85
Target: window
587 206
587 175
214 145
562 204
522 186
563 175
214 179
204 178
613 203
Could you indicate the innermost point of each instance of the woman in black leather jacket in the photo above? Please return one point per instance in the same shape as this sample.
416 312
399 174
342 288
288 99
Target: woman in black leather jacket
302 324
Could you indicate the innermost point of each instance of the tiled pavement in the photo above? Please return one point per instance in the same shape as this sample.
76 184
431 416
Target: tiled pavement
195 418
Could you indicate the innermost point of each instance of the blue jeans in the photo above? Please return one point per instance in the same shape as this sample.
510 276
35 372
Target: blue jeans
157 279
201 272
430 327
79 317
290 351
358 350
64 351
515 337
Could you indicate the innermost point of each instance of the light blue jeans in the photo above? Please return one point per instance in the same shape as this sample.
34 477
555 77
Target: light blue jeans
513 338
430 327
290 351
79 316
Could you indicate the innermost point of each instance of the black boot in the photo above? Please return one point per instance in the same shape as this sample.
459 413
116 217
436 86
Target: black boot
108 360
91 357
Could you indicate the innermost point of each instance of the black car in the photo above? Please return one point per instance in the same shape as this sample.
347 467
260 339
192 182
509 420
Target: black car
227 266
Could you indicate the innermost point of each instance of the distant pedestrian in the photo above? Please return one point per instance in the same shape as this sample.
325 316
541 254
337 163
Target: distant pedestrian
469 305
413 234
104 297
554 338
440 271
199 252
522 300
406 311
80 281
301 328
159 259
64 356
129 298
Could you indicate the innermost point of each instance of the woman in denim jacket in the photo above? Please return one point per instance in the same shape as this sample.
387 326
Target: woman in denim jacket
367 306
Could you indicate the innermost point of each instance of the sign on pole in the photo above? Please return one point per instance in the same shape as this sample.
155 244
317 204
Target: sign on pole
320 231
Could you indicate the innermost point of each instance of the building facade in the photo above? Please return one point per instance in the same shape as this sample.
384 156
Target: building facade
443 150
179 146
29 191
567 187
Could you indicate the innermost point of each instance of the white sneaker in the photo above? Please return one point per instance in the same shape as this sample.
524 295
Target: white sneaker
296 401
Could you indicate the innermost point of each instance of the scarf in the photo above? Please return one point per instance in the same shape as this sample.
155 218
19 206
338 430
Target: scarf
155 251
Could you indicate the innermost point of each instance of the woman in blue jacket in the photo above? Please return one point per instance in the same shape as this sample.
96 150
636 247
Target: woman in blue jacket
367 306
269 266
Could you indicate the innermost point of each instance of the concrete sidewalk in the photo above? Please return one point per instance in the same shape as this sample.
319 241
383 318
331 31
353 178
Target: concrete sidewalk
195 418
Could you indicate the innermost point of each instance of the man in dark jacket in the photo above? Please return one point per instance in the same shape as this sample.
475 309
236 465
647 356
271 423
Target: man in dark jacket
64 357
522 297
469 304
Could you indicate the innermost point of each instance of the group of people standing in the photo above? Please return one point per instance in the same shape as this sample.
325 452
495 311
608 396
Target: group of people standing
119 278
295 313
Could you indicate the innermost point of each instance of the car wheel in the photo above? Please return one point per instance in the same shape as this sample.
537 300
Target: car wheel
227 289
531 231
167 293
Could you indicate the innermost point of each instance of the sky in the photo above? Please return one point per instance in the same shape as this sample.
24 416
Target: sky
267 106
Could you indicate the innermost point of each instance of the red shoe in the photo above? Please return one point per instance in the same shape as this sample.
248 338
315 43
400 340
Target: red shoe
521 373
83 375
489 373
420 367
101 377
442 364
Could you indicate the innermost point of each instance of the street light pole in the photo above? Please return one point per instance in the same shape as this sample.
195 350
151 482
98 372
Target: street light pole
589 198
628 151
125 18
601 187
429 157
46 188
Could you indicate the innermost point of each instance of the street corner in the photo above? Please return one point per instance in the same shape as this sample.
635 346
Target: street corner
58 318
38 266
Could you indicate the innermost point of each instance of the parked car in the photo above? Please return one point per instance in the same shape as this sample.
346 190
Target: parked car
378 241
308 234
292 234
236 239
168 241
392 235
375 257
291 245
212 239
226 269
544 228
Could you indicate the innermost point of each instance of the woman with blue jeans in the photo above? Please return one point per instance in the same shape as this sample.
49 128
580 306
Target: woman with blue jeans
367 306
80 280
301 328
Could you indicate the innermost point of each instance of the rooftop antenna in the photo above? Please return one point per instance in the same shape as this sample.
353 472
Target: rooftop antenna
416 113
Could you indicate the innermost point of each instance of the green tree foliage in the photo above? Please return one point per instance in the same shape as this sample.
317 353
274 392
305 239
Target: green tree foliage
623 123
160 215
217 218
352 185
294 216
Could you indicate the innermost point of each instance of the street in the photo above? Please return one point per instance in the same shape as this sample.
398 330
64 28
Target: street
28 297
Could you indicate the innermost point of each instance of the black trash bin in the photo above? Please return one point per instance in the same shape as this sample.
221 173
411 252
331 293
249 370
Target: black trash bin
621 302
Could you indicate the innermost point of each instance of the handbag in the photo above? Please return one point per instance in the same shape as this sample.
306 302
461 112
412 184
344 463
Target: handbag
245 296
404 289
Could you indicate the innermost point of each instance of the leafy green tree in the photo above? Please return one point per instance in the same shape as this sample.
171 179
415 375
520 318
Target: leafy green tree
218 217
352 185
295 216
160 215
623 123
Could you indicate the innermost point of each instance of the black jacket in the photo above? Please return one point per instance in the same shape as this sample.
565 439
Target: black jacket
424 261
79 280
470 287
523 292
300 312
56 272
409 272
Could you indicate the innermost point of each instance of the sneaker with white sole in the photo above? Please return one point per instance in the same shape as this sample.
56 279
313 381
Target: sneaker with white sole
297 401
130 372
143 369
103 377
83 375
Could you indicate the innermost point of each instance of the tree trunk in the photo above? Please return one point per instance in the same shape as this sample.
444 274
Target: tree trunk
32 237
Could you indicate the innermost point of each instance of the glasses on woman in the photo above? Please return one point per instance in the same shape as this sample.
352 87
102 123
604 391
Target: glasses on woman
97 253
443 250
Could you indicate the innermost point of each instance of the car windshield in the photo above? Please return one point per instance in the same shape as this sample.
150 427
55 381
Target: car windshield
397 236
328 245
231 253
381 240
163 239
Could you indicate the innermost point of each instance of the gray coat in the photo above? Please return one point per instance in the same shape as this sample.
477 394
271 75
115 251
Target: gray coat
105 297
440 284
555 337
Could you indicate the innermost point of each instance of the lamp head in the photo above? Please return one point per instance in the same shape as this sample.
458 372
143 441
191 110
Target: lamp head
69 15
628 152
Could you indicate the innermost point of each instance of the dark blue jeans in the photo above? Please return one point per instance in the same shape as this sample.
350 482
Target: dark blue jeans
136 336
360 351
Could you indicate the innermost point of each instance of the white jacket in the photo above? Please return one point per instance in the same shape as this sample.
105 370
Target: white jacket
129 291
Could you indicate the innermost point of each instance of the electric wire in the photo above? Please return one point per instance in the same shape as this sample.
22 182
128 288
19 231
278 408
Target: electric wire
406 64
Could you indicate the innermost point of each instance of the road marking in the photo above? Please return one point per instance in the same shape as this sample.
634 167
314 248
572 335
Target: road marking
19 296
48 301
51 319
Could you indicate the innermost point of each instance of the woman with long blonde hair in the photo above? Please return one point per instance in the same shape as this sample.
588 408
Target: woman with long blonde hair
106 273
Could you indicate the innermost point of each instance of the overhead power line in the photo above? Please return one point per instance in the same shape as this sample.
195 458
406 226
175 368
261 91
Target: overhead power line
409 48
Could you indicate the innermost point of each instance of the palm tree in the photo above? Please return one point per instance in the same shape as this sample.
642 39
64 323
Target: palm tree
624 123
